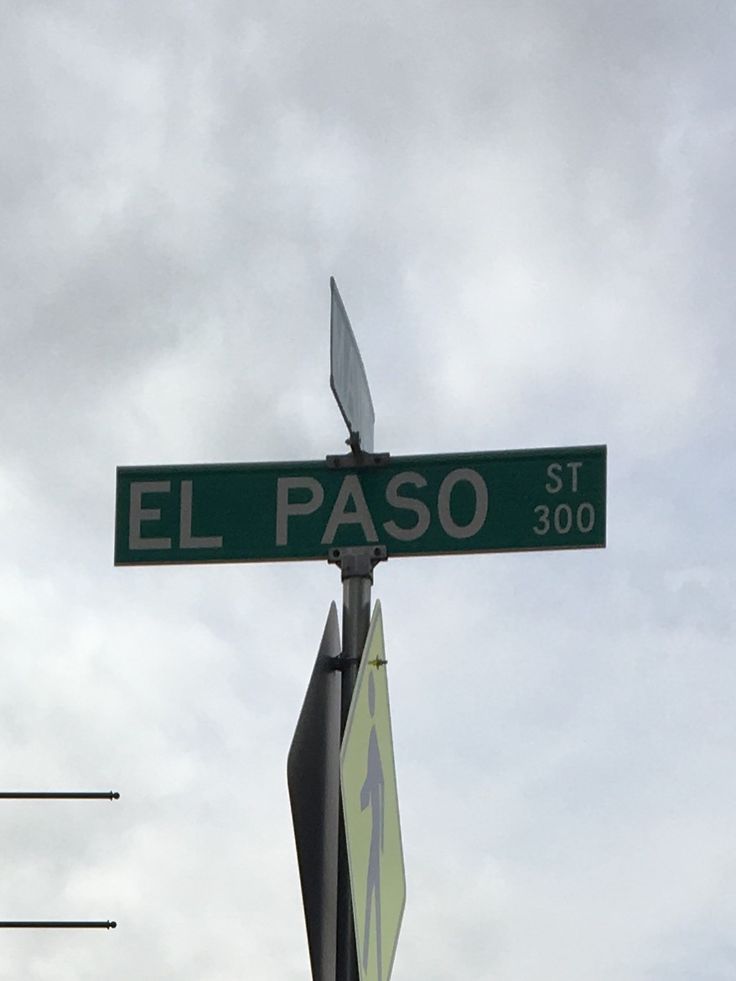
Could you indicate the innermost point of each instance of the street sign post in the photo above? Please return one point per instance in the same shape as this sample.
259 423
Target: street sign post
348 378
513 500
371 810
356 510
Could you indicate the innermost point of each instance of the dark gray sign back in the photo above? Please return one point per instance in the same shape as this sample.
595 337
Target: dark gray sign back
313 776
348 378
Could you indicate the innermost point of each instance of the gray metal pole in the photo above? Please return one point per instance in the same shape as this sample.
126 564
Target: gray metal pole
58 924
58 795
357 578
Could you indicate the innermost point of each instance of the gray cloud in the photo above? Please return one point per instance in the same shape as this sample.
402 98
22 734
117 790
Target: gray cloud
526 207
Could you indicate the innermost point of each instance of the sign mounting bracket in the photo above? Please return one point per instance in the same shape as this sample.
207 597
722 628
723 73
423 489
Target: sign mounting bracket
358 562
357 458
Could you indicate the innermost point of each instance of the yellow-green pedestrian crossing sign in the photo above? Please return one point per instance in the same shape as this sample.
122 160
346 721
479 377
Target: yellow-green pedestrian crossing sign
371 810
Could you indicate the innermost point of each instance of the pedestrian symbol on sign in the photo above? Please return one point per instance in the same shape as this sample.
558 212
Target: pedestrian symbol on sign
371 810
372 795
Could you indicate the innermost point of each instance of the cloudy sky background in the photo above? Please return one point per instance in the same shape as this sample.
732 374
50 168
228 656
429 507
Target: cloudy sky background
528 208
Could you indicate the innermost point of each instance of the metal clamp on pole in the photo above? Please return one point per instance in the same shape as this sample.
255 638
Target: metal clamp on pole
357 459
357 561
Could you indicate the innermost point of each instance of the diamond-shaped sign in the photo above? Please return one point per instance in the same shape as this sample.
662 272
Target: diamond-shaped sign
371 811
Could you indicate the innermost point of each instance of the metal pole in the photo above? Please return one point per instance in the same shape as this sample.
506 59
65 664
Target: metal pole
357 578
58 795
60 924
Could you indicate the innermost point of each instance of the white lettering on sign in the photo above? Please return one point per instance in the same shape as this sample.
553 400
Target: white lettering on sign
563 518
555 481
585 517
138 514
480 514
360 515
186 538
285 508
397 500
351 506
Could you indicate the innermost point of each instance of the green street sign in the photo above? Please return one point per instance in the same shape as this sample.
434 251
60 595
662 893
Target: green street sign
413 505
371 811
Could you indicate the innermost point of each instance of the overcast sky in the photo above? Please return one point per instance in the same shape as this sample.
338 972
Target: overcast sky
529 209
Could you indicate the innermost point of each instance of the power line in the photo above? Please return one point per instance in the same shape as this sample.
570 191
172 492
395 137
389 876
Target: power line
60 924
58 795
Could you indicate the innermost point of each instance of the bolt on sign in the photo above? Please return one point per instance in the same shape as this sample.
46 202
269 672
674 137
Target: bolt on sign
513 500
